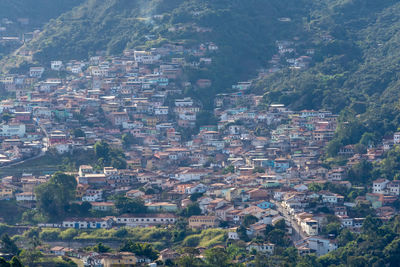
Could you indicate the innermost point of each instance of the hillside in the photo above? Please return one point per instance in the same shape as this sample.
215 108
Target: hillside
18 17
356 71
37 11
245 31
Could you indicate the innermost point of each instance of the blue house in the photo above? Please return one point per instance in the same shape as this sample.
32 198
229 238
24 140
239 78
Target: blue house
263 204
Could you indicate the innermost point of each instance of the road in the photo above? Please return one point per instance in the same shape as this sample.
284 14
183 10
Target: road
45 142
297 233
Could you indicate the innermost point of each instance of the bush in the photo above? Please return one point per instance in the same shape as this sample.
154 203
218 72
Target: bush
50 234
68 234
192 241
121 233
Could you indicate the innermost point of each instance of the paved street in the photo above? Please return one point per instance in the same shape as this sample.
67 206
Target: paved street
297 234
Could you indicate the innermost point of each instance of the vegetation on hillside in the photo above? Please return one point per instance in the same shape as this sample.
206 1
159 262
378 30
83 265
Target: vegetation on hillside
355 73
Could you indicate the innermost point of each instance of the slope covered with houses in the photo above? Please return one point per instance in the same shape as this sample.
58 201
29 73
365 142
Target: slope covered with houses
255 161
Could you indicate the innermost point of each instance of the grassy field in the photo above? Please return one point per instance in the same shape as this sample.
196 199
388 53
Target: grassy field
50 163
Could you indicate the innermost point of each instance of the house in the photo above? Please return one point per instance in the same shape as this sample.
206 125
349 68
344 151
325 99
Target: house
118 118
88 223
161 206
309 226
257 194
26 196
232 234
187 175
56 65
346 151
58 251
150 219
301 188
103 206
379 186
168 254
396 138
203 222
316 244
146 57
119 259
36 72
267 248
337 174
203 83
85 169
263 204
331 198
5 193
341 211
12 129
94 195
393 187
134 194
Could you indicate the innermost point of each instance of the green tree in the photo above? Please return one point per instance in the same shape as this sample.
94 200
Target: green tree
29 257
371 225
102 149
191 210
4 263
140 249
15 262
281 224
189 261
128 139
77 132
53 197
332 228
8 246
392 252
277 237
128 205
249 220
6 117
242 233
100 248
360 173
216 257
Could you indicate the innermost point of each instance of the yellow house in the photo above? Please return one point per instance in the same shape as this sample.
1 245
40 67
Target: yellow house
203 222
5 193
120 259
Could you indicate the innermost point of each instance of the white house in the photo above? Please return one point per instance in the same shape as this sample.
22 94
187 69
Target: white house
98 196
26 196
189 175
36 72
318 245
135 220
56 65
261 247
12 130
88 223
379 186
309 226
232 234
396 138
146 57
393 187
